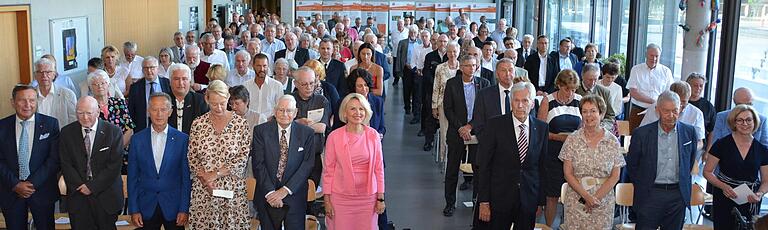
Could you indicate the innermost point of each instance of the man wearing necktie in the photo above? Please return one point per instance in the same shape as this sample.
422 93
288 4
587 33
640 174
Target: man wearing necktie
91 152
140 91
29 162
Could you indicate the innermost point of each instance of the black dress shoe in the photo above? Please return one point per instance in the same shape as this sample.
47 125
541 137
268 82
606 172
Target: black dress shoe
421 133
464 186
415 120
428 147
448 210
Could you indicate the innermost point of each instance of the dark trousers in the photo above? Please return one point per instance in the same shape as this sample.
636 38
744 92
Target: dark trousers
16 216
664 209
428 123
90 215
456 153
317 170
397 72
295 219
411 88
502 219
158 220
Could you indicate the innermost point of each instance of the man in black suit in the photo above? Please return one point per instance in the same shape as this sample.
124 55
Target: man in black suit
459 114
434 58
510 167
525 50
481 72
138 97
282 180
29 162
292 50
91 158
187 105
497 99
335 71
541 67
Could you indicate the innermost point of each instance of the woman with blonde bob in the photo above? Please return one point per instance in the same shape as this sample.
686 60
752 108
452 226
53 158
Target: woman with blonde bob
353 179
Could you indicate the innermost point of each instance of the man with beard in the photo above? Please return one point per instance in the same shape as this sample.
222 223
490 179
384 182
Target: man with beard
265 91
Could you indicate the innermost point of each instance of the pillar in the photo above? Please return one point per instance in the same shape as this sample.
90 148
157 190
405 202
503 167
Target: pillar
698 21
288 11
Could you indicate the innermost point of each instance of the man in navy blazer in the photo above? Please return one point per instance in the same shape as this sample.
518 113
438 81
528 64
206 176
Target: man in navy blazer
563 58
28 185
659 163
335 71
300 55
159 183
492 101
281 184
509 177
138 97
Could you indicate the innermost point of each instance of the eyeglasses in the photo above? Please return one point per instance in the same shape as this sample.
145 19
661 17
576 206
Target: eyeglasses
744 121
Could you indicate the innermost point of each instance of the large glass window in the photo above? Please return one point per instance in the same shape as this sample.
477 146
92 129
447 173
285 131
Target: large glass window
603 23
661 26
752 52
569 18
526 16
623 39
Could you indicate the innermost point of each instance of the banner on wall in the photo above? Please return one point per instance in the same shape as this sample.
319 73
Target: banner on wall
329 8
352 9
425 9
398 10
477 10
307 8
379 11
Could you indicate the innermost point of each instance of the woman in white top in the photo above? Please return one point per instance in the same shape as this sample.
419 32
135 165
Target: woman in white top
166 60
443 72
610 72
117 74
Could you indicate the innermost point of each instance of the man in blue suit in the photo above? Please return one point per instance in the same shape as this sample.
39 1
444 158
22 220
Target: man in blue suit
283 156
659 165
29 162
138 98
159 182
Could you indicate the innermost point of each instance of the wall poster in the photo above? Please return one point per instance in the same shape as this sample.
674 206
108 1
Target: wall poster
69 43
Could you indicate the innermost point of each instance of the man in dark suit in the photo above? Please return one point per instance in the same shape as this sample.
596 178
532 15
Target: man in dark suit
544 80
459 114
659 163
138 97
335 71
563 58
91 153
525 50
282 152
29 162
509 160
292 50
187 105
497 99
428 122
159 184
178 47
199 68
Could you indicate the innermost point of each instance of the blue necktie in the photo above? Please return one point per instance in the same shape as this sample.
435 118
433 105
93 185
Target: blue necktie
24 152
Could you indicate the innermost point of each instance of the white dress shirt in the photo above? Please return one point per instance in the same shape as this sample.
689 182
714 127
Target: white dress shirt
234 78
502 96
117 82
543 70
290 54
92 133
60 104
350 63
134 68
263 99
616 98
396 36
488 64
419 54
527 130
158 145
217 57
30 133
650 82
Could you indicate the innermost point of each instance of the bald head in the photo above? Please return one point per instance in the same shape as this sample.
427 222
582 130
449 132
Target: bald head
87 111
742 96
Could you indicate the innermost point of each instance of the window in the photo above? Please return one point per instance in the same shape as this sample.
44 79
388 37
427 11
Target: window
526 15
603 23
752 52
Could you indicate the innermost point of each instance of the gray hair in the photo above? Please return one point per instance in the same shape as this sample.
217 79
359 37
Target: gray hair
150 59
304 69
207 36
44 61
320 25
244 53
426 32
130 45
653 46
454 43
282 61
161 95
192 48
166 50
97 74
668 95
695 75
179 67
287 97
528 36
505 60
305 37
245 32
520 86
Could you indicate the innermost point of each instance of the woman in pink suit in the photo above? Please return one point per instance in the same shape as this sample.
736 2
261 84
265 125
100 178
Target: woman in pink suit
353 179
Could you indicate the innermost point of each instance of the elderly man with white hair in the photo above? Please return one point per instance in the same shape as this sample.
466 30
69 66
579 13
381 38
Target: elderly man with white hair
199 68
292 50
242 71
55 101
307 103
131 60
187 104
210 53
646 81
396 35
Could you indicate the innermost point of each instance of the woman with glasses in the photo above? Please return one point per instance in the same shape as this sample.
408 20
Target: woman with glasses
742 161
482 37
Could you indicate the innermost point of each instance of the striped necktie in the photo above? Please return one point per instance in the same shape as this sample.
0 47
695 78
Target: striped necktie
522 143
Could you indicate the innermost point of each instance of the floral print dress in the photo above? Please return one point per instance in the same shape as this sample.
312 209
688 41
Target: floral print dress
594 162
209 151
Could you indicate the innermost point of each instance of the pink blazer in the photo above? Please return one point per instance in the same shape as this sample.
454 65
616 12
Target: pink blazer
337 171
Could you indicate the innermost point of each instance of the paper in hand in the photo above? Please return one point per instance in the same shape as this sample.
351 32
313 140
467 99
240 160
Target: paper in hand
315 115
224 193
742 191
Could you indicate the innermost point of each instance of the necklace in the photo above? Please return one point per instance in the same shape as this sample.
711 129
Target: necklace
565 101
453 65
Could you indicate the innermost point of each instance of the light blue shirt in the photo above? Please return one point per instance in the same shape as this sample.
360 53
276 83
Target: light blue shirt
721 128
668 161
565 62
156 87
411 45
498 36
469 97
271 48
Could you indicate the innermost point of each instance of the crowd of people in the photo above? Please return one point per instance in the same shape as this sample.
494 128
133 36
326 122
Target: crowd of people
287 104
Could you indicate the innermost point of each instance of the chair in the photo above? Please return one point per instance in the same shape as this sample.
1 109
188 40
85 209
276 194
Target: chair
311 222
563 189
697 199
250 190
623 127
625 193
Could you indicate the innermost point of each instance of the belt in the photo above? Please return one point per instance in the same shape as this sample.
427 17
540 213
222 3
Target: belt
589 182
666 186
637 106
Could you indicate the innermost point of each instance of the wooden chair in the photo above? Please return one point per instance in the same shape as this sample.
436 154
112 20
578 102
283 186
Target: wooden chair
311 222
63 191
697 199
625 193
563 189
250 190
623 128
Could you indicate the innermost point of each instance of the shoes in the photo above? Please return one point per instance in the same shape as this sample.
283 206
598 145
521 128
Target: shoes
421 133
428 147
464 186
448 210
415 120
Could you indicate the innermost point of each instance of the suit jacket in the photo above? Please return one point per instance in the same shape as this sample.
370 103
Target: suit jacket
377 119
194 106
643 154
106 161
43 161
336 75
455 106
487 105
64 105
520 57
402 52
488 75
177 53
532 66
265 156
137 102
502 179
381 60
171 187
301 56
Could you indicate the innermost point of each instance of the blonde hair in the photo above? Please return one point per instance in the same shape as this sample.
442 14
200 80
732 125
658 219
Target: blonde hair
738 110
216 72
318 67
218 87
363 101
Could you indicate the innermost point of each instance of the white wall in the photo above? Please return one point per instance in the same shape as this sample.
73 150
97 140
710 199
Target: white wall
184 6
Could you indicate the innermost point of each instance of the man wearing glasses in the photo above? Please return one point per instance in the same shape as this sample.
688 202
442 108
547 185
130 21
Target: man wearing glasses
54 101
314 111
138 98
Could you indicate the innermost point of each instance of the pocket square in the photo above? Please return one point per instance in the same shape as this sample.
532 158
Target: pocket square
687 143
301 149
104 149
44 136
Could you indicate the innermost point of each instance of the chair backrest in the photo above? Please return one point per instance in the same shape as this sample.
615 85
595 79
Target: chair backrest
627 141
62 186
695 170
250 188
623 127
125 186
311 196
625 193
697 195
563 189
